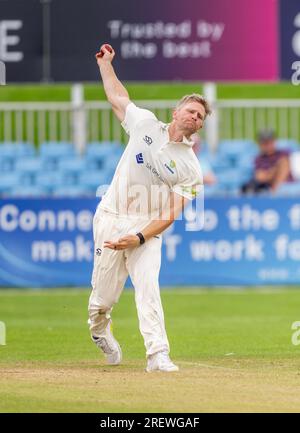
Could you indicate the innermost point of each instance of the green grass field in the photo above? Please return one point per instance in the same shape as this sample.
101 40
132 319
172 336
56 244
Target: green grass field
233 348
149 90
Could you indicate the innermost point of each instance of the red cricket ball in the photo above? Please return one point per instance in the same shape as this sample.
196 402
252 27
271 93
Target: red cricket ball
108 47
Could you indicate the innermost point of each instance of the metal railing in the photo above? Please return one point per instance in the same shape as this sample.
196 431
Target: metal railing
243 118
94 121
36 122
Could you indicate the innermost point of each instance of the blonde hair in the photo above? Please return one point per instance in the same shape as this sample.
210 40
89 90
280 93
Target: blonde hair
197 98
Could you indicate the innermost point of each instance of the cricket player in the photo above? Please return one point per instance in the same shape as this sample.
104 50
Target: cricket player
155 177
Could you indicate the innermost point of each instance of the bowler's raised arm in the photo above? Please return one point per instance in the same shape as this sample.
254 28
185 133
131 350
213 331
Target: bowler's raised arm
115 92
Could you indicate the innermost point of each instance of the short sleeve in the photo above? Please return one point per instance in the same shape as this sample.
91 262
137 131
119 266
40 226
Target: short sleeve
190 187
134 115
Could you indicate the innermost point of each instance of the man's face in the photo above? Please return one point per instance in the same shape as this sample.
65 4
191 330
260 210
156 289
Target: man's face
267 147
189 117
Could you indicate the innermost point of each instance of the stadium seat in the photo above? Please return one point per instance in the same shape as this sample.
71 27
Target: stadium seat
28 167
111 162
99 153
9 181
71 191
7 163
232 150
72 167
50 180
91 180
219 162
287 144
10 151
215 190
288 189
232 179
52 152
246 162
15 149
28 191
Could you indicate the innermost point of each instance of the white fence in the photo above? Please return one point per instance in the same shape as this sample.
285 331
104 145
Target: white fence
243 118
82 122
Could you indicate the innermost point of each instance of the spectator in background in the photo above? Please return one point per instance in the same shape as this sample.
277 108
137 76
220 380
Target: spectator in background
209 177
272 166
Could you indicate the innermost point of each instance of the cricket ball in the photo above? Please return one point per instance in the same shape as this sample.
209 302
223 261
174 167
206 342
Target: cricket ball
107 47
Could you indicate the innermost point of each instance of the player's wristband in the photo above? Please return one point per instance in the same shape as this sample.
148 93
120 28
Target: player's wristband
141 237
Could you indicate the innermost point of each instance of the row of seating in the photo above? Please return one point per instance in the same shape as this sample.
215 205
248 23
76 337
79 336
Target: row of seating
233 164
55 168
55 156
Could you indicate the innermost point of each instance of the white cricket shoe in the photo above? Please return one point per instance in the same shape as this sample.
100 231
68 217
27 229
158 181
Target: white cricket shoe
160 361
109 346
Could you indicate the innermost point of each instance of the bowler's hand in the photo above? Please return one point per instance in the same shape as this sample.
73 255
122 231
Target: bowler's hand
105 54
128 241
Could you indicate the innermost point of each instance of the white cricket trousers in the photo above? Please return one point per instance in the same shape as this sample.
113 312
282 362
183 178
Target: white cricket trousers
111 269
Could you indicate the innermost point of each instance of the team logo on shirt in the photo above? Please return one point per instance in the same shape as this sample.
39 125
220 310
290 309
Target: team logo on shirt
139 158
171 165
190 190
148 140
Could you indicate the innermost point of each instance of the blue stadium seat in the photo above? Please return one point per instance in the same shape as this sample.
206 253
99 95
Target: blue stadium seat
51 152
28 167
72 191
111 162
247 162
215 190
232 150
288 189
10 151
28 191
15 149
72 167
9 181
50 180
91 180
287 144
219 162
7 163
232 179
99 153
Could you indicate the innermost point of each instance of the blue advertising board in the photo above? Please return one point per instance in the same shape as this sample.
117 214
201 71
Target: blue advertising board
46 242
244 241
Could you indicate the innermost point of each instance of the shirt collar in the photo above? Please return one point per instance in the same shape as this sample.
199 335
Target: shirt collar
185 140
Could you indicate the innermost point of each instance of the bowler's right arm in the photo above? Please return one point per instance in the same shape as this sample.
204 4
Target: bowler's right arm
115 92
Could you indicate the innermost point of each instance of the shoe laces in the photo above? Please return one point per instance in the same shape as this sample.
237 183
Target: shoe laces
164 358
103 343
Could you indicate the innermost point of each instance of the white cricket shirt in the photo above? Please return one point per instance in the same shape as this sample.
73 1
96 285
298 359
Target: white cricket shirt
150 168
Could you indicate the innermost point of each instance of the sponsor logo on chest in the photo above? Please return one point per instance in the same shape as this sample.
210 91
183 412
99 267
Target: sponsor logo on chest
139 158
148 140
171 166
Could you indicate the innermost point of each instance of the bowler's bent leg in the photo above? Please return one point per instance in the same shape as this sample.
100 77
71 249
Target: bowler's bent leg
143 264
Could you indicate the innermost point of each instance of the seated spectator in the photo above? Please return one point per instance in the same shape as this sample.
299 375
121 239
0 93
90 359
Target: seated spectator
272 166
209 177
